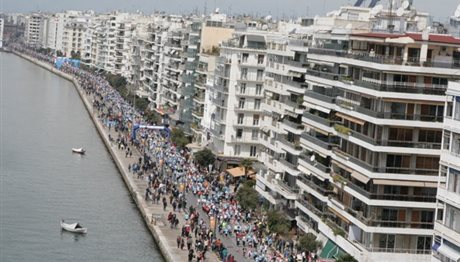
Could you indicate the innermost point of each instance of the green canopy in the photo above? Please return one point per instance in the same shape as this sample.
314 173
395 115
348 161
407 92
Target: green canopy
331 250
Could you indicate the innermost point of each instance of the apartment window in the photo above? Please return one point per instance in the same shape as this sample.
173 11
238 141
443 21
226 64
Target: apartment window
358 45
255 134
387 241
427 218
239 133
452 218
241 103
237 150
454 181
244 73
245 57
258 89
400 134
240 119
424 243
446 140
260 59
243 88
427 163
255 120
260 74
429 111
253 151
257 104
398 161
430 136
457 108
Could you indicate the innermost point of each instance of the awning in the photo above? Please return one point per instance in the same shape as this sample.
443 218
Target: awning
331 250
360 177
400 40
404 183
342 166
319 108
350 118
239 172
447 251
339 215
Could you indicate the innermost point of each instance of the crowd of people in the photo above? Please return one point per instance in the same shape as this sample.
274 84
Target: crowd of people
173 179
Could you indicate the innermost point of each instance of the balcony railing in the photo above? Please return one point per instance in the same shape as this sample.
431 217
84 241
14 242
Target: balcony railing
316 164
392 197
318 119
364 56
317 141
392 170
318 188
401 87
318 96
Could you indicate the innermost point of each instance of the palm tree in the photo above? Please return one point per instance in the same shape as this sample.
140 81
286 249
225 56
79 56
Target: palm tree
246 164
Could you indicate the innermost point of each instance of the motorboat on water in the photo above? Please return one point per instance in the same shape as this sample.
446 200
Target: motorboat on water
78 150
74 227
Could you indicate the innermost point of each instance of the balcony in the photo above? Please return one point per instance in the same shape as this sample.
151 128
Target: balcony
343 156
391 197
317 141
306 161
289 167
309 118
318 188
296 128
397 87
364 56
321 97
245 140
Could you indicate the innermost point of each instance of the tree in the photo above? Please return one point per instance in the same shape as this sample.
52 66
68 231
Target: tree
346 258
178 137
308 243
246 164
278 223
247 197
204 157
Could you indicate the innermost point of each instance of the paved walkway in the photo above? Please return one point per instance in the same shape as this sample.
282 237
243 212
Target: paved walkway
154 213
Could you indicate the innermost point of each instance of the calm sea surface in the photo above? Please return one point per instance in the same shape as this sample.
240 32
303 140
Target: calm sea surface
41 181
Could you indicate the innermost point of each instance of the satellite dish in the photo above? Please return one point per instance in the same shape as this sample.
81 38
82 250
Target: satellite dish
457 12
312 65
376 10
405 4
349 27
312 158
400 11
268 18
217 10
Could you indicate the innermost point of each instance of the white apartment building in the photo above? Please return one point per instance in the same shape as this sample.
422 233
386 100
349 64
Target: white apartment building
282 126
237 97
34 29
54 25
375 108
446 246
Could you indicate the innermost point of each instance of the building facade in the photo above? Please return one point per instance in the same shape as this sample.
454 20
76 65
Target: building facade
446 246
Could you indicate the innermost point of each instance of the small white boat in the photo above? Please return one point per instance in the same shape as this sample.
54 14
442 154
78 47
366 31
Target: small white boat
74 227
78 150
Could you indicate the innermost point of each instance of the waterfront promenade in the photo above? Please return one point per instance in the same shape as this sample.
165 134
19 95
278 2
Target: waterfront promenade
153 214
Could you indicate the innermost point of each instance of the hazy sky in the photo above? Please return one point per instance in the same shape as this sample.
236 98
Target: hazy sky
440 9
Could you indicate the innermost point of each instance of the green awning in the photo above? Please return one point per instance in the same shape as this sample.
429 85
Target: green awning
331 250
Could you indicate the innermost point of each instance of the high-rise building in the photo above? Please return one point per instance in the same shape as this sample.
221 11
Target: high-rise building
446 246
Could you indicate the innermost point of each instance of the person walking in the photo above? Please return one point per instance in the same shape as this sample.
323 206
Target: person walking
165 203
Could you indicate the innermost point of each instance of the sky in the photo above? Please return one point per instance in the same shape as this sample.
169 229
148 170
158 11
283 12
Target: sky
440 9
